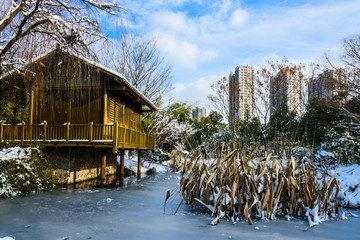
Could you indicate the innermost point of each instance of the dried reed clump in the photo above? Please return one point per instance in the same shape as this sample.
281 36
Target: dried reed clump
257 188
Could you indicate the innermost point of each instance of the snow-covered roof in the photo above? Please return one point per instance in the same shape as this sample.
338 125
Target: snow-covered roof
117 76
122 79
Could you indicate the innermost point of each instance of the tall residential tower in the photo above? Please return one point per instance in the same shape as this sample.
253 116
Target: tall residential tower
198 113
328 84
285 88
241 93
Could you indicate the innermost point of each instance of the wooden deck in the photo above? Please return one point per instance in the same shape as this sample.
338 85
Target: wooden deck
77 135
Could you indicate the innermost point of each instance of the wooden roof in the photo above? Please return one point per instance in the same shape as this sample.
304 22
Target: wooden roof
117 77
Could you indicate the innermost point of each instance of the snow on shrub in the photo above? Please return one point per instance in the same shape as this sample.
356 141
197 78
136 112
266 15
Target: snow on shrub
22 171
169 130
344 147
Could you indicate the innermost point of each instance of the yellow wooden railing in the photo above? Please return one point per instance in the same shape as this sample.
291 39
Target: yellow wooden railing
79 135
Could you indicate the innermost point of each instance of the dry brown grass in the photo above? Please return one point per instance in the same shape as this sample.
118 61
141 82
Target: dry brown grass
249 188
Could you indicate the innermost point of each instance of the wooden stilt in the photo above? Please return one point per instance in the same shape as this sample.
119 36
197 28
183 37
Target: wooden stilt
139 165
103 165
122 168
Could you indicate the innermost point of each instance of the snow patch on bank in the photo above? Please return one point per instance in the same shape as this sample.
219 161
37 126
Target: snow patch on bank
132 163
349 177
16 153
19 156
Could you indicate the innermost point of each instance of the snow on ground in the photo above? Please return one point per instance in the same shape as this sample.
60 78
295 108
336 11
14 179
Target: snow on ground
15 153
349 177
7 238
131 163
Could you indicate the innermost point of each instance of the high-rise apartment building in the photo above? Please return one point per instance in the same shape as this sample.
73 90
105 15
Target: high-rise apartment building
328 84
233 98
285 88
241 93
198 113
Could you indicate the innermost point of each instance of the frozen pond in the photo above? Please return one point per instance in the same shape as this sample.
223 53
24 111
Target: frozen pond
135 211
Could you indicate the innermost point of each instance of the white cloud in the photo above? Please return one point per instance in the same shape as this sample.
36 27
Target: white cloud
207 37
225 6
178 88
176 22
180 52
258 60
208 55
238 18
195 92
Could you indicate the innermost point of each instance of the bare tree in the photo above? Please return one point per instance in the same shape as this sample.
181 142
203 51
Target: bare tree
63 22
141 62
351 61
220 97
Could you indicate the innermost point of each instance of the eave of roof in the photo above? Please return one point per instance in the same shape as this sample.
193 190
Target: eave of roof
119 77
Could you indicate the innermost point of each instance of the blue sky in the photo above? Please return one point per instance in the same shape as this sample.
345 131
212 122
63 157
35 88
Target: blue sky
206 39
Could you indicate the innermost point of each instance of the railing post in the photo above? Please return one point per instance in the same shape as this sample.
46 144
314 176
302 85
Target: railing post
22 132
91 131
15 133
30 129
115 137
1 130
44 131
125 130
67 132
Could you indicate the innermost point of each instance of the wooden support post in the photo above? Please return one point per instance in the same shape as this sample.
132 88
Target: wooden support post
115 137
91 132
44 131
103 165
67 132
1 130
139 165
122 168
22 132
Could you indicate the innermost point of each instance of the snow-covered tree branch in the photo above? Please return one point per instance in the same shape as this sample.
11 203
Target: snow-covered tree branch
68 23
169 129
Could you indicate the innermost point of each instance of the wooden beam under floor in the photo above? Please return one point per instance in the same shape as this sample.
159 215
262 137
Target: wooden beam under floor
122 168
139 165
103 166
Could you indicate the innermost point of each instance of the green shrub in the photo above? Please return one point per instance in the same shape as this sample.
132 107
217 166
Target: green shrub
24 173
345 147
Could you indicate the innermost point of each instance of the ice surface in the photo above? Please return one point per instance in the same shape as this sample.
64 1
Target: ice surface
136 211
